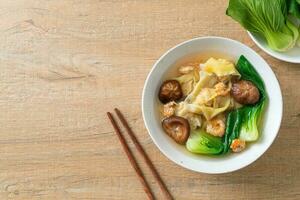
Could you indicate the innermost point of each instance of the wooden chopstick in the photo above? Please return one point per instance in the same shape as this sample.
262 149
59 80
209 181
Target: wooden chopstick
144 155
131 157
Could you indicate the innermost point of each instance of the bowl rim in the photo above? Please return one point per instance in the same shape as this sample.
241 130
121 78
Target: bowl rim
277 128
279 56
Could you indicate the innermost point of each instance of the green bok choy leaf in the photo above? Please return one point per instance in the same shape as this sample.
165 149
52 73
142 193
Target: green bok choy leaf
233 126
267 18
294 8
243 122
251 114
204 143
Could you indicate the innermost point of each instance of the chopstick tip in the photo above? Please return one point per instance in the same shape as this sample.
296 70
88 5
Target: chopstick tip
108 113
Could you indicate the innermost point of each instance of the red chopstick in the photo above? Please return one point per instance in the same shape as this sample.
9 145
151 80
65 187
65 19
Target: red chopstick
142 152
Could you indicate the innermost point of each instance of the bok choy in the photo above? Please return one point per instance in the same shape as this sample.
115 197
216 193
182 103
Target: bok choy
233 126
251 114
204 143
243 123
294 8
267 18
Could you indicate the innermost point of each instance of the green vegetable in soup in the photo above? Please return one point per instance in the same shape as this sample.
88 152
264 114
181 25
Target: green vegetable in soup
267 18
243 123
251 114
249 129
204 143
249 73
233 125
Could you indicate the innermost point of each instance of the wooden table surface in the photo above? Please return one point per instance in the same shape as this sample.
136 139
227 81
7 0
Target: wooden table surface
64 63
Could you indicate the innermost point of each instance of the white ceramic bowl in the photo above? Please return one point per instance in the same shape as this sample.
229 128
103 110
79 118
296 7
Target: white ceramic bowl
292 55
178 153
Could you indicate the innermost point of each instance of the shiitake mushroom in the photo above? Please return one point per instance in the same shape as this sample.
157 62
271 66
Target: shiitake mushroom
177 128
245 92
170 90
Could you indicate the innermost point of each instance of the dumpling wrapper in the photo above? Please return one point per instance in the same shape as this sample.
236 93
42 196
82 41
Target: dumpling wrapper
220 67
204 99
208 112
206 81
188 81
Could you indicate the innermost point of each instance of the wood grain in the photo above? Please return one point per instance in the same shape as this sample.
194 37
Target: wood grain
64 63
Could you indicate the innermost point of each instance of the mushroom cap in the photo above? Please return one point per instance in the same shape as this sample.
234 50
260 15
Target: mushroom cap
177 128
170 90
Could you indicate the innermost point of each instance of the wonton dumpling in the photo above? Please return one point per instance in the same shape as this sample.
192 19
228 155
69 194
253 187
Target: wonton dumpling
188 81
208 112
220 67
206 81
205 95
